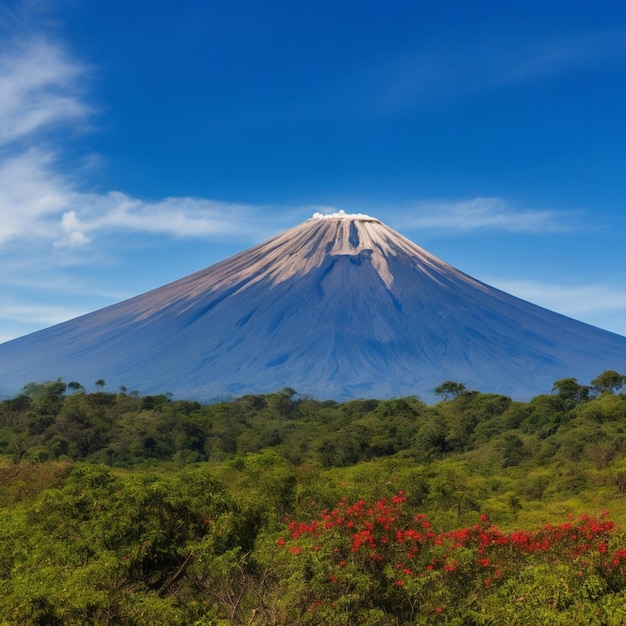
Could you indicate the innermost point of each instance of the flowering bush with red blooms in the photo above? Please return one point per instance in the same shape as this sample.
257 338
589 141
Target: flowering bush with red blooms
362 563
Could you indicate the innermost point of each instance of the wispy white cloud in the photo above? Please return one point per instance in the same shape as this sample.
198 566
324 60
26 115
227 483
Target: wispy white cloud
573 300
32 196
486 214
50 224
38 203
19 316
91 214
38 314
598 304
40 87
444 73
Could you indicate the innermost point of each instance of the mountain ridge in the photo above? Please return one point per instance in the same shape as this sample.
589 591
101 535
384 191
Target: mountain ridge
337 307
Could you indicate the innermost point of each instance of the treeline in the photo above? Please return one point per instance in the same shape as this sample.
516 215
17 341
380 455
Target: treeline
55 421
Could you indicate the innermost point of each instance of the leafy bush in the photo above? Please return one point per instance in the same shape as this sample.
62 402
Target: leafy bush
363 563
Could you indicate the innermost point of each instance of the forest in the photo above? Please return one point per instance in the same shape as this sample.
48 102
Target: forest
283 509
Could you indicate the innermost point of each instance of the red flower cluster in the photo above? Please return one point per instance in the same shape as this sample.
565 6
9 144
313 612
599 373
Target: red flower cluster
385 534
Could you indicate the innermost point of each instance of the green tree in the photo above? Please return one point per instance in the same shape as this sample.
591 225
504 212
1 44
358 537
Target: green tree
449 389
570 391
609 381
75 386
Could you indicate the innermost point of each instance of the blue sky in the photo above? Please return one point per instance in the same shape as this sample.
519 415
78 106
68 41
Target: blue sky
142 141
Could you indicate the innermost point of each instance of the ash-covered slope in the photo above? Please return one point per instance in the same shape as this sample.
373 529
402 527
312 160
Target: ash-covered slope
340 306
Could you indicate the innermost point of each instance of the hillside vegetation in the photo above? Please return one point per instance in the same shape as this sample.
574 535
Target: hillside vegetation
281 509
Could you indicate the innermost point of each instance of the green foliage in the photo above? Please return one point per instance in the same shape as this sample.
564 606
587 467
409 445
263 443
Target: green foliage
378 562
609 381
450 389
570 392
117 508
116 549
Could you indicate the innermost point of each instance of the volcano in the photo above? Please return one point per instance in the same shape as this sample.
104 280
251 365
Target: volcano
337 307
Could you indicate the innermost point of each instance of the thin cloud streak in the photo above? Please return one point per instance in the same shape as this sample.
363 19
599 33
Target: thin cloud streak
38 314
586 50
38 204
570 299
486 214
177 217
18 318
450 73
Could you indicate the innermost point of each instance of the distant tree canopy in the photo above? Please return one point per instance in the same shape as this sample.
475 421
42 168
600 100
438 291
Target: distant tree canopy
75 386
570 392
608 382
449 390
52 420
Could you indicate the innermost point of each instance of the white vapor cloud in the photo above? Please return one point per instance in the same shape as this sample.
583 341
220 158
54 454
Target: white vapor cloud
39 204
31 196
27 316
485 213
39 87
177 217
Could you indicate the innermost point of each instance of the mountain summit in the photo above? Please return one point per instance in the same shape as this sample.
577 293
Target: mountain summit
337 307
